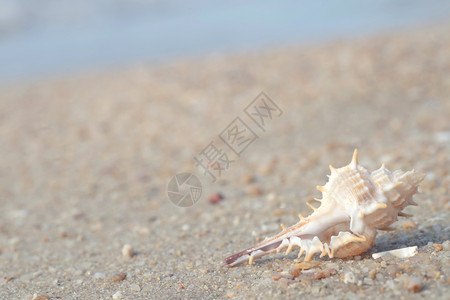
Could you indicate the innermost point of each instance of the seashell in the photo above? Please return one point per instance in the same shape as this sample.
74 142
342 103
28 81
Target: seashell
355 204
400 253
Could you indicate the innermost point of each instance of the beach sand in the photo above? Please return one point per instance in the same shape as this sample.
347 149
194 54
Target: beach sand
85 162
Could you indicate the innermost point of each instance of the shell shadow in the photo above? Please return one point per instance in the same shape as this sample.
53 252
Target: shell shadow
417 237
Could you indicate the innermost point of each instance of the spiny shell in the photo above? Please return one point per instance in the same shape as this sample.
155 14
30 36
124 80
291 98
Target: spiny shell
355 203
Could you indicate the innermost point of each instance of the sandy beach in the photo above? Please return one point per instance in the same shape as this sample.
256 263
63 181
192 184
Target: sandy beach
85 163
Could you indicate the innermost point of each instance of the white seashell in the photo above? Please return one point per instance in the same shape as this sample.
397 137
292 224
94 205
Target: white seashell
355 204
400 253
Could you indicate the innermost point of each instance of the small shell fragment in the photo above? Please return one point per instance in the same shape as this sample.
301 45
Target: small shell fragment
400 253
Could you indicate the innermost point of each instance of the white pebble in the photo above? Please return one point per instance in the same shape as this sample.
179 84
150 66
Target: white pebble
117 295
127 251
135 287
379 277
349 277
99 275
391 284
446 245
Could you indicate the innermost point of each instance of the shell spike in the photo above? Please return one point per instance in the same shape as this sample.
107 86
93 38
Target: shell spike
289 249
411 202
354 162
402 214
321 188
312 207
383 166
332 170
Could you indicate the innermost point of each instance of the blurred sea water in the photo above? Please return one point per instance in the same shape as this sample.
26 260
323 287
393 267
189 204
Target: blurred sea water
48 38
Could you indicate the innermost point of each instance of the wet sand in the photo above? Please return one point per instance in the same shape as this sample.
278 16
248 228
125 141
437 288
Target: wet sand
85 162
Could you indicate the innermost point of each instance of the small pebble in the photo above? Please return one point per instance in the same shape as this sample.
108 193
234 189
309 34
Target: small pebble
409 225
118 276
284 282
415 284
368 281
323 274
372 274
349 277
247 179
438 247
446 245
306 265
276 277
392 271
127 251
135 287
40 297
117 295
278 212
254 191
391 284
215 198
99 276
295 272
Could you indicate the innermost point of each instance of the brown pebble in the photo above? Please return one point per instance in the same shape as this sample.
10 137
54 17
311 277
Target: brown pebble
415 284
295 272
180 287
406 267
278 212
284 282
63 234
438 247
306 280
372 274
254 191
306 265
247 179
276 277
323 274
437 275
409 225
230 295
392 271
215 198
118 276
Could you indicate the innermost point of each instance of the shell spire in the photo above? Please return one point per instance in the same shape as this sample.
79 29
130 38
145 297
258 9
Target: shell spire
355 204
354 162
